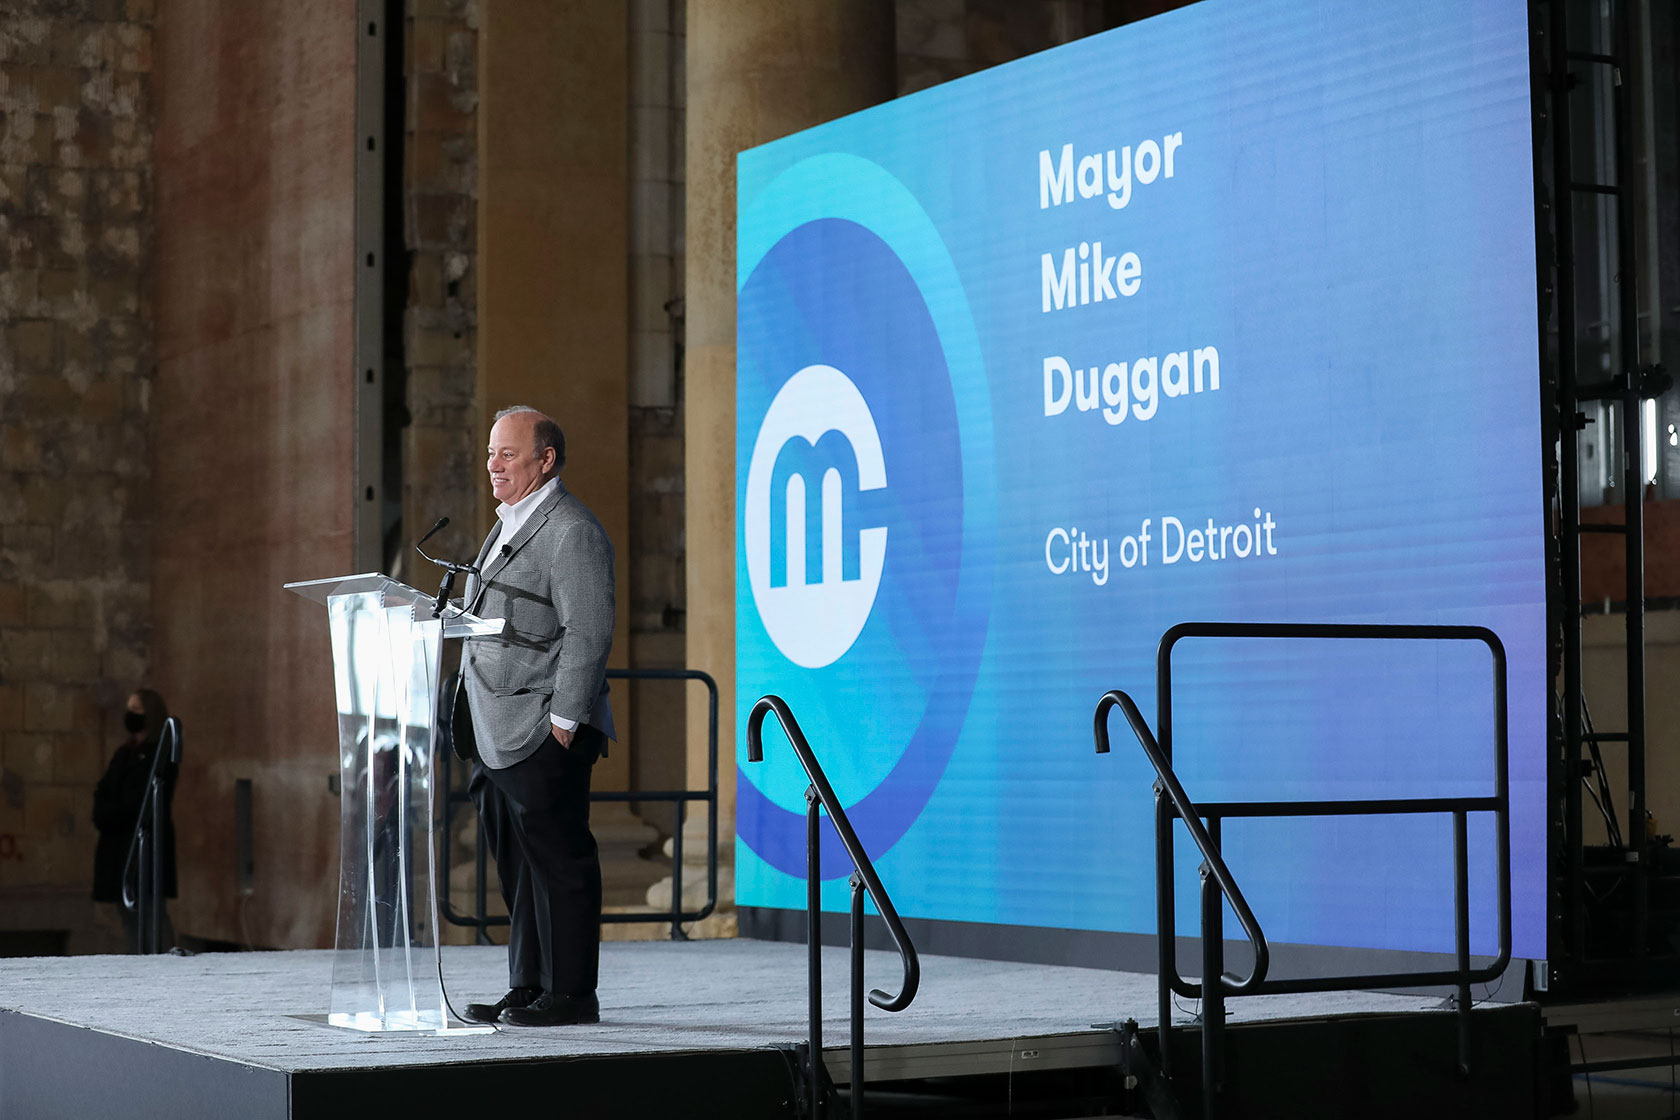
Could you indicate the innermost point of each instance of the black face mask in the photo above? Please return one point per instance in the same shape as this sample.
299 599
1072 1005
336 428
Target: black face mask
134 721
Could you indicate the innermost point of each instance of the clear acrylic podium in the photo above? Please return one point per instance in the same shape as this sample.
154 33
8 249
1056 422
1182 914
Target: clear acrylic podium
387 970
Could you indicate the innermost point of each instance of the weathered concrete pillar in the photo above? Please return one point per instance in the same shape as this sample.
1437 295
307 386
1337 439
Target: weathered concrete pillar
757 69
552 210
254 445
553 294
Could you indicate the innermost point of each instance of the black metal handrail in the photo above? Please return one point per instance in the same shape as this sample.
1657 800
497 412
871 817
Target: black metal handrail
819 795
1213 863
481 920
145 844
1171 801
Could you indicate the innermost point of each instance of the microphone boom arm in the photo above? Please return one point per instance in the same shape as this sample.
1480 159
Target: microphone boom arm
451 569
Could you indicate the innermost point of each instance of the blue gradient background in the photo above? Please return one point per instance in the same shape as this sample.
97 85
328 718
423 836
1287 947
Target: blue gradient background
1351 224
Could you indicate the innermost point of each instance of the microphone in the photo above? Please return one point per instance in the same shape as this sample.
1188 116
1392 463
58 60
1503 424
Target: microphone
435 529
450 568
507 550
448 564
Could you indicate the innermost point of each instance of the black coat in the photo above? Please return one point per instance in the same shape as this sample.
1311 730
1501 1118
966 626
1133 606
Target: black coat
116 808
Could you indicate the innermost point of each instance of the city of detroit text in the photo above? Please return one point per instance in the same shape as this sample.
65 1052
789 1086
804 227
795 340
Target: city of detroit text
1083 274
1070 550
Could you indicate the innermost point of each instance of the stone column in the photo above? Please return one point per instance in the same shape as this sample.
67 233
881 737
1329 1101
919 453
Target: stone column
255 200
553 297
757 70
553 302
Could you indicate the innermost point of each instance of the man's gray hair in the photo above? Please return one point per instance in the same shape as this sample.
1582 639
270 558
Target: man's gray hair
548 433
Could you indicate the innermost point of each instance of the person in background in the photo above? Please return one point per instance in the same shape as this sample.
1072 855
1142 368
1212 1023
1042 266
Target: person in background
116 809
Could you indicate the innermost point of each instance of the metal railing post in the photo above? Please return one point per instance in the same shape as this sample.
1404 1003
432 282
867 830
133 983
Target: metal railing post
1165 933
142 889
1461 932
155 866
1213 996
1213 985
677 933
857 996
813 943
711 786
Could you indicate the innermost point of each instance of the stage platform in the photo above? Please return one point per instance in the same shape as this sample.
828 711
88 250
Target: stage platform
697 1028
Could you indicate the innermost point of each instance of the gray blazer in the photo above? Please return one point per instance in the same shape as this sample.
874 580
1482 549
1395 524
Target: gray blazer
553 582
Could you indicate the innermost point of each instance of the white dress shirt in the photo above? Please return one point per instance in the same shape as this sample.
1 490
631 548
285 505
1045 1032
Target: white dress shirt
513 519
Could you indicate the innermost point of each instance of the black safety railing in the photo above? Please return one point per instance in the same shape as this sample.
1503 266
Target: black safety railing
1218 884
819 795
143 869
679 799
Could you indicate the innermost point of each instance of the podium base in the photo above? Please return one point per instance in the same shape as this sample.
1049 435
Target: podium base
394 1024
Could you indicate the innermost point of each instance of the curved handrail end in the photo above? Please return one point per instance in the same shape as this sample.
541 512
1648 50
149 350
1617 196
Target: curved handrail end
1214 861
824 793
906 992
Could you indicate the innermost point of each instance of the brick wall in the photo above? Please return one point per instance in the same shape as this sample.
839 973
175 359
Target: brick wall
74 430
442 464
76 369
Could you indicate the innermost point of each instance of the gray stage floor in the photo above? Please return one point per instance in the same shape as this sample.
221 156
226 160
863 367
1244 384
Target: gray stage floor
655 996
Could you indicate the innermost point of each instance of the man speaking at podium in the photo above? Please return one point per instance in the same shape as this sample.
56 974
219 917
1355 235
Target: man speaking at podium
539 719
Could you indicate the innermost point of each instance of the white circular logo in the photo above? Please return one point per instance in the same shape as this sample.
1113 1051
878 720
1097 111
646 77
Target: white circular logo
813 568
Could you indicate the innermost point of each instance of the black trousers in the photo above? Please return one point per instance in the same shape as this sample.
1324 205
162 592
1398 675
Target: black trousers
536 819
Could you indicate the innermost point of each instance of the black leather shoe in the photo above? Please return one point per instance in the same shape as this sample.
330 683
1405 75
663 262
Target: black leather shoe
516 997
554 1011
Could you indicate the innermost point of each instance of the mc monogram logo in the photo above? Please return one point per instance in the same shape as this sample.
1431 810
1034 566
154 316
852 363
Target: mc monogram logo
814 568
863 419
